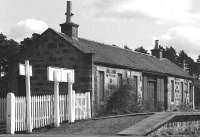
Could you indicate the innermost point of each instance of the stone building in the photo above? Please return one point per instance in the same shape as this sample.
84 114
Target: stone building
101 69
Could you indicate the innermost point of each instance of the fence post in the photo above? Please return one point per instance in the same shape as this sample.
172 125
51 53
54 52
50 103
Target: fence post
89 105
73 105
28 96
56 100
70 105
10 115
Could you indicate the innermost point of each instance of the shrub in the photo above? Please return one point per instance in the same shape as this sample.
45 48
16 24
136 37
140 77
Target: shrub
185 107
124 100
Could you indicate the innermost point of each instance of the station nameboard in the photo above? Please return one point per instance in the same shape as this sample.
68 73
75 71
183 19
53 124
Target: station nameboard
63 74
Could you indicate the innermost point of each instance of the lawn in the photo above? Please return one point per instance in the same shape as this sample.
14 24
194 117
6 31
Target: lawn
108 126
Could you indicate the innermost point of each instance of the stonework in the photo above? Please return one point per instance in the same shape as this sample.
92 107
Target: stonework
111 83
182 92
51 50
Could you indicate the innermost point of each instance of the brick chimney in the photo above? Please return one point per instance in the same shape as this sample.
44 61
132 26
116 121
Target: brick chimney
157 52
69 28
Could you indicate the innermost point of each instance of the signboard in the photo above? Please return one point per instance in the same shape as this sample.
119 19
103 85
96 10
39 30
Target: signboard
22 69
63 74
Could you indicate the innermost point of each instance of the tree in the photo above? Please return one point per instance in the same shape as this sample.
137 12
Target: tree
170 53
8 50
27 42
141 50
198 60
126 47
183 57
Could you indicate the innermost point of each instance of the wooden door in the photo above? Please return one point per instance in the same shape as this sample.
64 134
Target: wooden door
151 95
101 92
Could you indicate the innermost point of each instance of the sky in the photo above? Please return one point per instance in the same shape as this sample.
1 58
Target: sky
121 22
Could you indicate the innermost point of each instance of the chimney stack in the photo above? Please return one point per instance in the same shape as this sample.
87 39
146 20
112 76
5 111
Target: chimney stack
157 52
68 12
69 28
185 66
156 44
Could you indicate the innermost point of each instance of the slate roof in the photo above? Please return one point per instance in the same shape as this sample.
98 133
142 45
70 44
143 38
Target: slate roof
112 55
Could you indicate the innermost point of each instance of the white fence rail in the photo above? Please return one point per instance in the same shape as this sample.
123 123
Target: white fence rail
2 109
42 108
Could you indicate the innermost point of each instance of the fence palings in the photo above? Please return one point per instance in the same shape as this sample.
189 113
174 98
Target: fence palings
42 110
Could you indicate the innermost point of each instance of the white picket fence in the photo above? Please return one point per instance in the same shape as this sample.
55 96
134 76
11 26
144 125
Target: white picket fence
82 106
20 114
2 109
42 110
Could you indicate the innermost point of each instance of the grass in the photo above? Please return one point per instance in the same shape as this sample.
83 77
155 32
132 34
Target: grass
109 126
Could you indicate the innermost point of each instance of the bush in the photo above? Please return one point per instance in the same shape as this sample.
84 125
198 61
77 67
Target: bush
124 100
185 107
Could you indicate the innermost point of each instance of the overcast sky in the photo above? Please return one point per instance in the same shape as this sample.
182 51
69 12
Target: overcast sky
122 22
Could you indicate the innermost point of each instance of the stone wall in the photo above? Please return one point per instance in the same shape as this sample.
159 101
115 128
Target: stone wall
51 50
110 83
179 98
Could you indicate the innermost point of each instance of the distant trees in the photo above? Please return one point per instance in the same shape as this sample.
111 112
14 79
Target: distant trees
170 53
198 59
141 50
27 42
181 59
8 50
189 62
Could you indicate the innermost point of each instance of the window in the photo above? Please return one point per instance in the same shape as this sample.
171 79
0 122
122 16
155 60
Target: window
2 72
191 92
135 84
119 80
172 90
182 93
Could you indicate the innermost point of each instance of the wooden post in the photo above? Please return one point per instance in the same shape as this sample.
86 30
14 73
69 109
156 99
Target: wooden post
28 96
62 75
71 106
56 100
10 115
89 105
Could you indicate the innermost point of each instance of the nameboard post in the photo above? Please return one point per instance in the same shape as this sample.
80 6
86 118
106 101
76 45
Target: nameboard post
62 75
26 70
71 104
56 99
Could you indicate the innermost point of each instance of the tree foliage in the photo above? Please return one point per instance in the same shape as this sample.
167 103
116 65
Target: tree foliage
8 50
198 59
170 53
141 50
190 64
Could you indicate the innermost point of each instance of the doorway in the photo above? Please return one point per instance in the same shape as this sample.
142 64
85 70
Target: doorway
152 95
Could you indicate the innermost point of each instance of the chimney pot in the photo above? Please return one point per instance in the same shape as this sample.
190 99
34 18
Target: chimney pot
69 28
157 51
156 44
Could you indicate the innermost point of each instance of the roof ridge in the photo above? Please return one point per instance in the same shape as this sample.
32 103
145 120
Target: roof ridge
118 47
